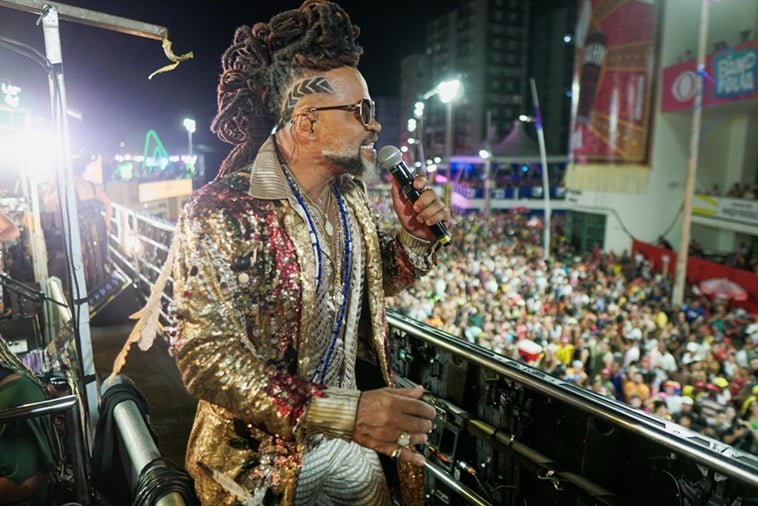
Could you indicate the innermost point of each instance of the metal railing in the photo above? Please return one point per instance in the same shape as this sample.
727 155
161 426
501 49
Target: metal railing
137 443
148 240
69 405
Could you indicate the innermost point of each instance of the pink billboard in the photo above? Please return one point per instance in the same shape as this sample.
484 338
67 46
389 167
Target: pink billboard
613 73
730 76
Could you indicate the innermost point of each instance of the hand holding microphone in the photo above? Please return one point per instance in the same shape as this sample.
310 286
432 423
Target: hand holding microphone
390 158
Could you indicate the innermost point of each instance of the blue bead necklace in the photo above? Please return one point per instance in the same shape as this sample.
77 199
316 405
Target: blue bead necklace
346 270
323 367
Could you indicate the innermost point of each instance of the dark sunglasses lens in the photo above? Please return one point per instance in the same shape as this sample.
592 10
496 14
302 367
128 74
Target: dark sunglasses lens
367 111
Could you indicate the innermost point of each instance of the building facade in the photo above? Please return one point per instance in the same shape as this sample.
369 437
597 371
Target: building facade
726 154
484 44
551 64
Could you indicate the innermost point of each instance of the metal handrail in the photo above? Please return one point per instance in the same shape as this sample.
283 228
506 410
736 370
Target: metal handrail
69 405
671 436
138 443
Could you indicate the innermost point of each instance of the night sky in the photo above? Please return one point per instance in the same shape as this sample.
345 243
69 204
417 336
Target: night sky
106 73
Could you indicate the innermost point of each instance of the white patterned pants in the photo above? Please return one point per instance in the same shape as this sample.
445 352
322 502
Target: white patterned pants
338 472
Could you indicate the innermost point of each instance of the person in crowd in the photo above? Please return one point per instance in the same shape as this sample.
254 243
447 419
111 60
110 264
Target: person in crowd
664 243
94 211
26 456
280 276
8 230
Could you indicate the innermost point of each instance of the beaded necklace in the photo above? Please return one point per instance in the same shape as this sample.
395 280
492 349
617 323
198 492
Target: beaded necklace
323 366
346 270
315 243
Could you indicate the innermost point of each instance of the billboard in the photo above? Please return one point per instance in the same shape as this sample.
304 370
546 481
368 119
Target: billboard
730 76
613 86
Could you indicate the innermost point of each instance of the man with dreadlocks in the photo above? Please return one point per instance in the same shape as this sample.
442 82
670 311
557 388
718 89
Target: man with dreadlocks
280 278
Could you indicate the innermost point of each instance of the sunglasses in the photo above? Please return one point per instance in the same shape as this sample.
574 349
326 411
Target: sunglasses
365 110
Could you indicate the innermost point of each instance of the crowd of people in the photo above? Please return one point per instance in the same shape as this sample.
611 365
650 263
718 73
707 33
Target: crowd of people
738 190
743 257
600 320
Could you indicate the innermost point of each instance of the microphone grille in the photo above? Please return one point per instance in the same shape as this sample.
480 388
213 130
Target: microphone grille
389 156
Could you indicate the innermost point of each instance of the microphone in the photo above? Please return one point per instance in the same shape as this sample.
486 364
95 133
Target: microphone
390 159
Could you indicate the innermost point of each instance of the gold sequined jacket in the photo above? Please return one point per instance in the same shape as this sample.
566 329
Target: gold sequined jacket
244 290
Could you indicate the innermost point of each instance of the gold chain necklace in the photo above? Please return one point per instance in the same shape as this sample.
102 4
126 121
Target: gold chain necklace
323 220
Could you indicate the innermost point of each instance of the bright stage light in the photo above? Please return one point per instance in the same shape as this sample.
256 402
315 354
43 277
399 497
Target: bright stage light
31 150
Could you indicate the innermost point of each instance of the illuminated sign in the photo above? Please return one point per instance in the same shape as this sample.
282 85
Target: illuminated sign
735 72
11 94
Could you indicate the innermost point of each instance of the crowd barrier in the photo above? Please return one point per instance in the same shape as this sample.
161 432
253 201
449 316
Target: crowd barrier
68 405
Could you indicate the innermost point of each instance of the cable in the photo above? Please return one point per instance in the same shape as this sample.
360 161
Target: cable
160 477
27 51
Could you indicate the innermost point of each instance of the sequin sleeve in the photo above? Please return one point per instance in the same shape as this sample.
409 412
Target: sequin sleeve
404 260
219 357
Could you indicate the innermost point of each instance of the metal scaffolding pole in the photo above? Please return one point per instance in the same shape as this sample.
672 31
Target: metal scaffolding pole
67 197
50 14
680 276
543 159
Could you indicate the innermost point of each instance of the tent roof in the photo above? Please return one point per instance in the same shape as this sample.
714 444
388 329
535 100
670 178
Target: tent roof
517 146
517 143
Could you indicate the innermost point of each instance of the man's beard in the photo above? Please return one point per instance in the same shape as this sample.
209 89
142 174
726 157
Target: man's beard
355 165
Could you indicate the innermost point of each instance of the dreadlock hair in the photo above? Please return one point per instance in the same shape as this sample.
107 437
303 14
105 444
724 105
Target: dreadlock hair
261 64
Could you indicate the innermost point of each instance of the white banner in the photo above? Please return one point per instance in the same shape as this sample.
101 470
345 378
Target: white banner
742 210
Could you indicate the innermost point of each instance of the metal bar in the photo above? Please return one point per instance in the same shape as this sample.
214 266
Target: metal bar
91 18
637 423
144 278
68 202
168 227
461 489
117 253
152 267
508 442
81 451
35 409
543 159
682 254
69 405
139 444
152 242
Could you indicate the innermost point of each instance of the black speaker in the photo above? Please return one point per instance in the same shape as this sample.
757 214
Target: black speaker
112 302
21 334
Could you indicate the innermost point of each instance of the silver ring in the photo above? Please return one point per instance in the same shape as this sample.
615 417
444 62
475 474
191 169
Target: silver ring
404 439
396 453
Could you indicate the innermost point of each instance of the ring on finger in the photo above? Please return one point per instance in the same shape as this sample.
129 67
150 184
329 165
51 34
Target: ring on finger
404 439
396 453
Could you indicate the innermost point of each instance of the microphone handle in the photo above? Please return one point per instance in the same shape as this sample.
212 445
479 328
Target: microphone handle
406 185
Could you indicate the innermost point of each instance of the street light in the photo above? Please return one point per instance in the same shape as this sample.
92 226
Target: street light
417 124
448 91
189 125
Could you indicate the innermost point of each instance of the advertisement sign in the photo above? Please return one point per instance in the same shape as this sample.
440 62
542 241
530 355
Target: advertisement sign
613 74
730 77
10 95
742 210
